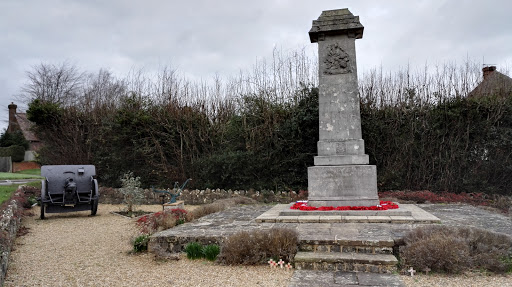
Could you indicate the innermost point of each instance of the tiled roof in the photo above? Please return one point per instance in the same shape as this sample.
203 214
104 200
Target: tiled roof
495 83
25 127
336 22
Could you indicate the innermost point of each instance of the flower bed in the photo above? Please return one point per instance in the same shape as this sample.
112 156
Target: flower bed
303 205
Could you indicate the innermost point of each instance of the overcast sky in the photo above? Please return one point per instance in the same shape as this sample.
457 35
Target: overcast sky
204 38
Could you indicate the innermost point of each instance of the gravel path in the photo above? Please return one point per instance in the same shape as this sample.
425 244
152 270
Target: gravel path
464 280
74 249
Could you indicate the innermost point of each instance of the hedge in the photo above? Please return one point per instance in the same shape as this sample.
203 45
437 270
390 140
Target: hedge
16 152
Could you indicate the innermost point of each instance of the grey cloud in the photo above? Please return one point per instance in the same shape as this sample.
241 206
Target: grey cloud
205 37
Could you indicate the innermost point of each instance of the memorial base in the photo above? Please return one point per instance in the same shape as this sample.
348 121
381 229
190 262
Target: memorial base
347 185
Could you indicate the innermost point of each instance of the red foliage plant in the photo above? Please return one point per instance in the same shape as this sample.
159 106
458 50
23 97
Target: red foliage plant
442 197
384 205
161 220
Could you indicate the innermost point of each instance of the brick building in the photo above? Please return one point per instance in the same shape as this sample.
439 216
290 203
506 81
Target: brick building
19 121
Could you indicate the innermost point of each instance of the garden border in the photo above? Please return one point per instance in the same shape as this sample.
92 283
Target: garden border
10 221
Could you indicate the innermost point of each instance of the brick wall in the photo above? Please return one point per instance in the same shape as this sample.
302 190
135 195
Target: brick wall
24 165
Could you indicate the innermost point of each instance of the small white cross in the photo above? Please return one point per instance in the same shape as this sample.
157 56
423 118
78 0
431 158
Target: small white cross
426 269
281 262
412 271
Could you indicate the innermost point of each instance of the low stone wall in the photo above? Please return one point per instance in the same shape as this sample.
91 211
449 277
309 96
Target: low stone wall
196 196
10 220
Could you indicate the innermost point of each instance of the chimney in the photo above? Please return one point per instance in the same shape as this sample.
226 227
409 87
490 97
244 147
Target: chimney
488 70
12 111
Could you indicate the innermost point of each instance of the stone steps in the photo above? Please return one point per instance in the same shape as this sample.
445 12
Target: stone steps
345 253
359 262
335 245
347 246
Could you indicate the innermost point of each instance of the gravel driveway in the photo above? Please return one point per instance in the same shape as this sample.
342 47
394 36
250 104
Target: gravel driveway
74 249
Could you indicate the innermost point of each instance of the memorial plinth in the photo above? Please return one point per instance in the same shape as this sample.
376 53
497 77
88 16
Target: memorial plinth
341 175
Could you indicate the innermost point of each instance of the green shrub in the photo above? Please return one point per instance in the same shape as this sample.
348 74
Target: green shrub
44 112
194 250
211 252
257 246
8 139
16 152
479 130
454 249
140 243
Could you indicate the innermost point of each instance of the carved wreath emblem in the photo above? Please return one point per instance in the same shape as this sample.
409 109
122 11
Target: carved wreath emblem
336 61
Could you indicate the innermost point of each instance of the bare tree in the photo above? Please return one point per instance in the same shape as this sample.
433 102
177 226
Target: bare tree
51 83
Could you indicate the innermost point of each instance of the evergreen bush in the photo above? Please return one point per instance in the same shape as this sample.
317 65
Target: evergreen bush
194 250
211 252
140 243
16 152
8 139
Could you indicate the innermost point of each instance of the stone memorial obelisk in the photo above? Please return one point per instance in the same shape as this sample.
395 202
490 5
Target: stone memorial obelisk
341 175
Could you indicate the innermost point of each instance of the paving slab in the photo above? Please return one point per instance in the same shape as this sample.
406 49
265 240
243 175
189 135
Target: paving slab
354 218
345 278
406 213
287 219
401 219
467 215
335 257
330 218
310 278
379 219
370 279
309 219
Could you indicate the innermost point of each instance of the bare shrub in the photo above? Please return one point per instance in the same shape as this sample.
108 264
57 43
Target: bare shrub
282 243
438 252
257 246
454 249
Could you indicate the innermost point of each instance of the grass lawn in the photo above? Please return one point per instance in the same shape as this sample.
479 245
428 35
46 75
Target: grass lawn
30 173
36 171
7 190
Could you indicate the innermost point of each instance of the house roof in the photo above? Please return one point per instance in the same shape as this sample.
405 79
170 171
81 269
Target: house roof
25 127
494 83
